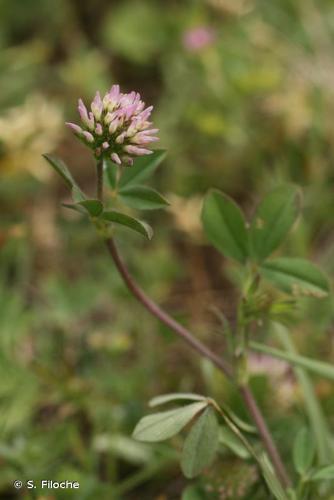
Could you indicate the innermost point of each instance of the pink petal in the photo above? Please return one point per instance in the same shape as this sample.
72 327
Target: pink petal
148 131
120 138
130 110
114 91
74 127
82 110
113 126
146 113
137 139
98 129
134 150
97 106
88 136
115 158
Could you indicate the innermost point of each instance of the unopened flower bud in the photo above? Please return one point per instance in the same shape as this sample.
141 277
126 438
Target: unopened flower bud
115 158
113 126
120 138
134 150
74 127
98 129
88 136
97 106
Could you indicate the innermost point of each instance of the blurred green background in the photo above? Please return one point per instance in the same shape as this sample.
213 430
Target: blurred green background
246 106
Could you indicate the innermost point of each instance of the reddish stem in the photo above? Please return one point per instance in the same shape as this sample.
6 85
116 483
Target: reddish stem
159 313
196 344
266 437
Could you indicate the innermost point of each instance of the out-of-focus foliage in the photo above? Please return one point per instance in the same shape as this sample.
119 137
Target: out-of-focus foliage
246 109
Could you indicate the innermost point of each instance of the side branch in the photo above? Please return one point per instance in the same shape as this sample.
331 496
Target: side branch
196 344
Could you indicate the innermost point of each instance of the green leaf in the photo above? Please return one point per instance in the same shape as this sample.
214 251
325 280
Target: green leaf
93 207
77 194
62 170
76 207
192 492
323 473
296 276
241 424
273 220
143 167
319 367
163 425
270 477
225 226
124 447
201 444
142 198
231 441
125 220
318 421
167 398
303 451
292 494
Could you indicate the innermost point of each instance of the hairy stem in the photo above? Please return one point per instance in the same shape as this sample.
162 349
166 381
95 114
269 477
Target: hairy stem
184 333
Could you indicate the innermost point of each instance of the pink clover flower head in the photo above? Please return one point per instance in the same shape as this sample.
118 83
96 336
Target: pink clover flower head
196 39
116 126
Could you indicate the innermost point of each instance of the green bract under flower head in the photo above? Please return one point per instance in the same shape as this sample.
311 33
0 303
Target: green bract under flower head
117 126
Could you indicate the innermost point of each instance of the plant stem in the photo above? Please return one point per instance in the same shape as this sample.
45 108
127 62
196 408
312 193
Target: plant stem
99 183
159 313
264 432
184 333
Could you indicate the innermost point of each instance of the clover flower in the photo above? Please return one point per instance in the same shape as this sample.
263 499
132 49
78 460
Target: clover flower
198 38
116 126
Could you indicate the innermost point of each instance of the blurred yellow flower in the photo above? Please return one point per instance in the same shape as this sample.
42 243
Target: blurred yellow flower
294 107
26 132
187 214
